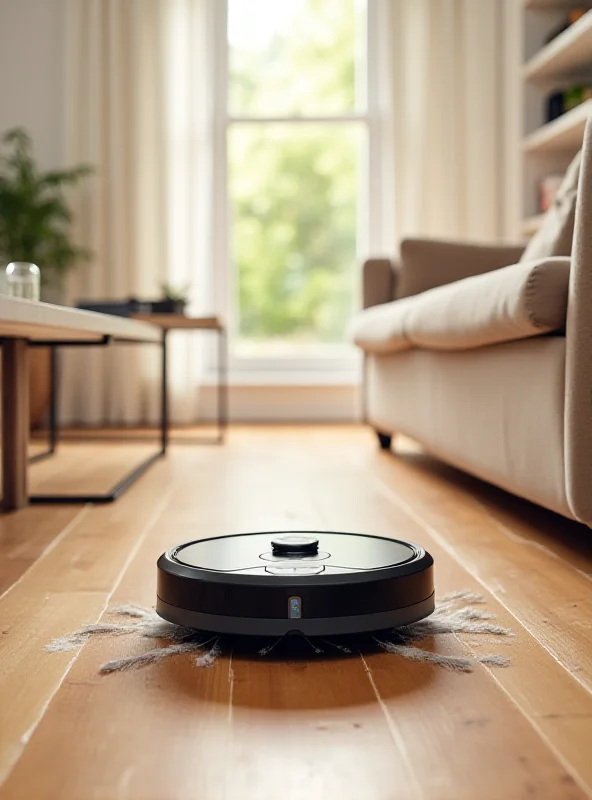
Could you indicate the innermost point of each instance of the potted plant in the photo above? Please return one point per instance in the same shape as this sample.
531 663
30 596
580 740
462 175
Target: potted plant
174 299
35 222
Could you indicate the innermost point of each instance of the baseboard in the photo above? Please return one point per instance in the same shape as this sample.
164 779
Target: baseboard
286 403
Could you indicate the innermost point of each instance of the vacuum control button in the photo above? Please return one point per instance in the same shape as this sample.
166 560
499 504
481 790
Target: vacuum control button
291 569
294 544
272 556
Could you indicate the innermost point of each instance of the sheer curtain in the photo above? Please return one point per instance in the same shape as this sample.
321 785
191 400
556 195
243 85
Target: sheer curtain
140 95
443 117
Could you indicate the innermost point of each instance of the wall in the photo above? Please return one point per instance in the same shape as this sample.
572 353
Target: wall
32 74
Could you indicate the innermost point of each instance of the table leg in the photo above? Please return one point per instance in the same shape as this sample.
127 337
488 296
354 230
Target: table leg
53 410
15 423
222 384
53 402
164 399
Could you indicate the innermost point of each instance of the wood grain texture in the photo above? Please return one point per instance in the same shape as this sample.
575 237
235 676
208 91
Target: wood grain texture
25 536
79 467
299 727
15 423
560 708
67 587
44 321
549 597
171 322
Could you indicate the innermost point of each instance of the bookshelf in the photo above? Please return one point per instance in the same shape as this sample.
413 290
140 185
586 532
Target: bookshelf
565 55
563 134
548 147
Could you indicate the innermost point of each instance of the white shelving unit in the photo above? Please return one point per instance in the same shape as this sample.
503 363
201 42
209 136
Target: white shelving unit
565 55
552 5
564 133
548 147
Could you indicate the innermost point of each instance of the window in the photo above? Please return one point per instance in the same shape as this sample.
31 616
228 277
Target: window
296 145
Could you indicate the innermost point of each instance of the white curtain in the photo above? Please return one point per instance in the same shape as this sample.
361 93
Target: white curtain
140 95
442 110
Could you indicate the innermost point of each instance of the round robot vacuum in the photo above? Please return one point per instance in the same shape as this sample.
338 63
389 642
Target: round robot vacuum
314 583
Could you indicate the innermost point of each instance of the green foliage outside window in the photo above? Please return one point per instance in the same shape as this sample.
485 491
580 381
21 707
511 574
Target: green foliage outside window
294 186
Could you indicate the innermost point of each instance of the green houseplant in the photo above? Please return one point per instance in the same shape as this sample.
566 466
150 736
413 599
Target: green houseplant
35 219
174 298
35 226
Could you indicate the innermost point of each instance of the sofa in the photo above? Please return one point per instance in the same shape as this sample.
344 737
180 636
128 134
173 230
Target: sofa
483 354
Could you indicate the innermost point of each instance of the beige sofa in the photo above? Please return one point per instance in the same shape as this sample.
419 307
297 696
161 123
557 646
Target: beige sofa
489 366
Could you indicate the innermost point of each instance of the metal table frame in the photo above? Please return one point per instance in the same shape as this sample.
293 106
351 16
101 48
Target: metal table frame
128 480
53 432
221 386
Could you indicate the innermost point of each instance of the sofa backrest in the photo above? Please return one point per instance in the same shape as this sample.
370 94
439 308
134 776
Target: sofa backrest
578 384
555 235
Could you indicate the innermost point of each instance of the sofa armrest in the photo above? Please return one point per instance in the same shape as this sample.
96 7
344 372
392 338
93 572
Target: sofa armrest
578 374
427 263
379 277
515 302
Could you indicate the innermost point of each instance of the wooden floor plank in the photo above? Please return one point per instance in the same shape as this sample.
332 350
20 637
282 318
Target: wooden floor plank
28 676
545 694
25 536
549 596
66 588
262 728
313 728
87 468
535 526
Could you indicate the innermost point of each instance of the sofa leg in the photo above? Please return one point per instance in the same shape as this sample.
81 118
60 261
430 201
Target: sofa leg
384 440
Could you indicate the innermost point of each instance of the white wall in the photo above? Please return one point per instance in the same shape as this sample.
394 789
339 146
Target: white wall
32 73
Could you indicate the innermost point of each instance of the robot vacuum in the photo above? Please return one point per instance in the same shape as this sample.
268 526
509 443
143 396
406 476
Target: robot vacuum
313 583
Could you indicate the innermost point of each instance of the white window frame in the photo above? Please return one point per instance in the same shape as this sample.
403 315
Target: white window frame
341 368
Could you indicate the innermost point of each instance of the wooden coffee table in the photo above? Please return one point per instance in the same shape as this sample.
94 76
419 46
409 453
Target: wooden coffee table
25 324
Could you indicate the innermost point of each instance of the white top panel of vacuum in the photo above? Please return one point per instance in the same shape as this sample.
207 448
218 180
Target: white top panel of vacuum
246 552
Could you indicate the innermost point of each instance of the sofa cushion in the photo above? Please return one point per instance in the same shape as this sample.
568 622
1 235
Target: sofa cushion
555 236
511 303
381 329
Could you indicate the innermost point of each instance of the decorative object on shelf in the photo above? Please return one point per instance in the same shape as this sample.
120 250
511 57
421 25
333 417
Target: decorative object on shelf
559 103
23 280
548 188
555 106
573 17
576 95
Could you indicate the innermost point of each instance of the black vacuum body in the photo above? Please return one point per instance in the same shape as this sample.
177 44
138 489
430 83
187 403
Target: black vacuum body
315 583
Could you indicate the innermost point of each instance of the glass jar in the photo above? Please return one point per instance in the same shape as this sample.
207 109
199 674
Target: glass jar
23 280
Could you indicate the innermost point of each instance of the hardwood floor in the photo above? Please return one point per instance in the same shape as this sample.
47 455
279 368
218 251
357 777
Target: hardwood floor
371 727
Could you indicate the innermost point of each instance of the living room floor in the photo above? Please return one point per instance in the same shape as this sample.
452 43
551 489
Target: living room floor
349 726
